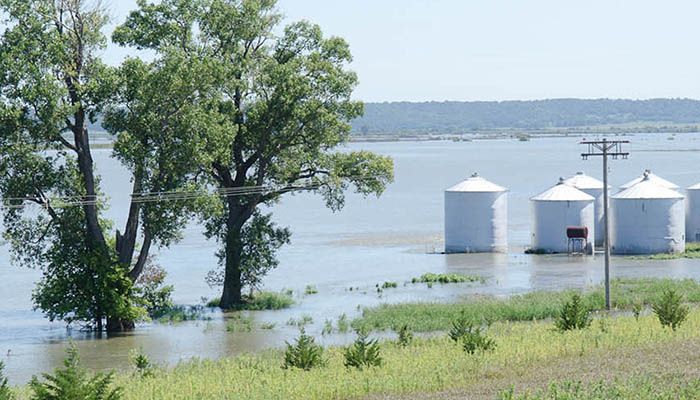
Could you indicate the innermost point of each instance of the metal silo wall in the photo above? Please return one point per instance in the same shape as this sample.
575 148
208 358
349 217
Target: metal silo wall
692 216
551 218
476 222
647 226
599 225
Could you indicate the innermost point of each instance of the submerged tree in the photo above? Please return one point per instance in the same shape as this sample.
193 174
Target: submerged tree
284 106
53 87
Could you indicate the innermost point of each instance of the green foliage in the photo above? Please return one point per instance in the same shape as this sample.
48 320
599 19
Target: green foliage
670 310
310 289
261 301
304 353
343 324
539 305
301 322
177 314
637 308
281 111
5 392
446 278
405 336
692 251
268 326
239 323
394 118
141 363
154 295
363 353
573 315
327 327
460 327
389 285
475 340
73 383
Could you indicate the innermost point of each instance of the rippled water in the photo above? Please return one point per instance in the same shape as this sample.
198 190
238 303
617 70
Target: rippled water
369 242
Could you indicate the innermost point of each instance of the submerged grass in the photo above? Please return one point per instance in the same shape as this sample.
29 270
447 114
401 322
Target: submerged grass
262 301
692 250
446 278
425 317
440 364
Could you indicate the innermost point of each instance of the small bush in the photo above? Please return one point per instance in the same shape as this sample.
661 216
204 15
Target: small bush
73 383
5 393
390 285
269 301
141 363
573 315
363 353
460 328
310 289
476 340
304 353
670 309
405 336
151 291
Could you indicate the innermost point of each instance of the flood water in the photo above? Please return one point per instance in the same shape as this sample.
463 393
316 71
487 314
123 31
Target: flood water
370 241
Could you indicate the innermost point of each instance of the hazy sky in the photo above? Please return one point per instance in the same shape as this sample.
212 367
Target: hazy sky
418 50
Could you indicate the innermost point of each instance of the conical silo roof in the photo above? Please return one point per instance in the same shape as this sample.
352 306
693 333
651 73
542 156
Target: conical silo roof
694 187
648 189
562 192
653 178
476 184
583 181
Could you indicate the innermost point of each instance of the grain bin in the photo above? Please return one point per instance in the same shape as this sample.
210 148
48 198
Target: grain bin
647 218
653 178
692 213
556 209
593 187
476 217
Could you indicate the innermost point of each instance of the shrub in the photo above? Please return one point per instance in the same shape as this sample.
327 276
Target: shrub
310 289
140 361
153 294
269 301
573 315
5 393
73 383
363 352
670 309
475 339
460 327
405 336
304 353
390 285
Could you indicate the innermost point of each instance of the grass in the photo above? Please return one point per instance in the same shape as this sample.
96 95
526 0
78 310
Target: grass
178 314
531 349
301 321
310 289
261 301
425 317
692 250
239 323
639 388
446 278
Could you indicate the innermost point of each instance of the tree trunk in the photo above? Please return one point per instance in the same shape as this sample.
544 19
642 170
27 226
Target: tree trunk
233 286
232 294
119 325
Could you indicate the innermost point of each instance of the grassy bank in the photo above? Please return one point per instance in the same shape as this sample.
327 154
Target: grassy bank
424 317
692 250
527 350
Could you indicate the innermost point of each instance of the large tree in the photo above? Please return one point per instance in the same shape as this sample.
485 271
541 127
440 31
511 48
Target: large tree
53 87
285 106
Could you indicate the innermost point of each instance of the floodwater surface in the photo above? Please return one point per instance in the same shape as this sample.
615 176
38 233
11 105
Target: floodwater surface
393 238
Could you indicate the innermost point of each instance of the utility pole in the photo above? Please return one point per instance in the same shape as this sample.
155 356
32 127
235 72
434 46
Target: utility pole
605 148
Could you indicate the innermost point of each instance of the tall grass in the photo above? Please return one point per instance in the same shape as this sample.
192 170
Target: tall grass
437 361
692 250
425 317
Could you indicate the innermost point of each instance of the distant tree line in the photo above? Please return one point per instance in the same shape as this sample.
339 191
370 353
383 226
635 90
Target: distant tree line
462 117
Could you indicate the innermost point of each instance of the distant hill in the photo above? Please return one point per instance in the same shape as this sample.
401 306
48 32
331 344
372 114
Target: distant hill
461 117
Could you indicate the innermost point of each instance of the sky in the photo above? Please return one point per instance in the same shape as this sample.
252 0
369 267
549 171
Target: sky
467 50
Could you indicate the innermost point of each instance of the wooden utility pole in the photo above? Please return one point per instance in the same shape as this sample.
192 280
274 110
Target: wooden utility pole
605 148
